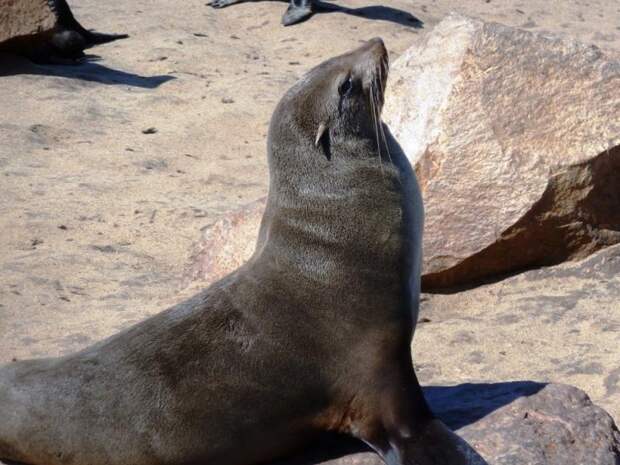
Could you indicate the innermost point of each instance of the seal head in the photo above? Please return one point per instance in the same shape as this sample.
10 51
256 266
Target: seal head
346 105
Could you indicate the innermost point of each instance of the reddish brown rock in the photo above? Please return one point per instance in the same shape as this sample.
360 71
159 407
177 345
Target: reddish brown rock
45 30
515 138
227 243
557 426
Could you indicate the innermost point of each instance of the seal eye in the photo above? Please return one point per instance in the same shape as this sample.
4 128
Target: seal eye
346 86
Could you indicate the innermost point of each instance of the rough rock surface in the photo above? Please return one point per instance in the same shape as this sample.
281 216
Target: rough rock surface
513 423
20 18
515 138
557 426
227 243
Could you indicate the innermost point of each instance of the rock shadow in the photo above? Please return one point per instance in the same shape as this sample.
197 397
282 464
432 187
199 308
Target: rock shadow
86 70
464 404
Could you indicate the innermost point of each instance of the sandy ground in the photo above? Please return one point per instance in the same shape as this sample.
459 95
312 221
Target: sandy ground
98 219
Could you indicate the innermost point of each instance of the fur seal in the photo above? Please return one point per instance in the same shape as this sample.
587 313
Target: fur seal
311 335
297 11
68 26
64 44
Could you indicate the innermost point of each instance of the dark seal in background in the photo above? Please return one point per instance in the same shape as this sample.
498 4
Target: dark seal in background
46 31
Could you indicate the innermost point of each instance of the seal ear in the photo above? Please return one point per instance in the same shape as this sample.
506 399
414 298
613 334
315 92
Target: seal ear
322 137
320 132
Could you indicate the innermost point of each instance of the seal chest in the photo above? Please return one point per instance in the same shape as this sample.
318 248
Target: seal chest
312 334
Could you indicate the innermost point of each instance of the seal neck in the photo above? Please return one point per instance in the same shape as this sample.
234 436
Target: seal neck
349 219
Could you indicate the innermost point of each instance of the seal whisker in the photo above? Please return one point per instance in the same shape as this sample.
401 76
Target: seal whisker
378 105
376 109
387 146
374 119
379 84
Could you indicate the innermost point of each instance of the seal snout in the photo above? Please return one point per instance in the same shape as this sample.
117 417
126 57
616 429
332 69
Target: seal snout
375 54
375 62
375 42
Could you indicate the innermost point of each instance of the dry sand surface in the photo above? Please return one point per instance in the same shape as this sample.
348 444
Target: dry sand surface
98 220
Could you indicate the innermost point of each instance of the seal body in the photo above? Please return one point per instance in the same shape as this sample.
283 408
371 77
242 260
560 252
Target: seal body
313 334
297 11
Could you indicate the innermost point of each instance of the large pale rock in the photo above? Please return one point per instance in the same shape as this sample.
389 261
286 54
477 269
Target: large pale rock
45 30
515 138
518 423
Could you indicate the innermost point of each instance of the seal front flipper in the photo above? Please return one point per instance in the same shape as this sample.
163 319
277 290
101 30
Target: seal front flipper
96 38
402 429
431 443
224 3
297 11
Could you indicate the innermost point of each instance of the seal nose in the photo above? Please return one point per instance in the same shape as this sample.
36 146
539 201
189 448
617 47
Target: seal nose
373 61
376 55
372 51
376 48
376 41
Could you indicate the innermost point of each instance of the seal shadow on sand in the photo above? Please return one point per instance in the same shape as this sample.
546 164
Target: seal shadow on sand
86 70
375 12
457 406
